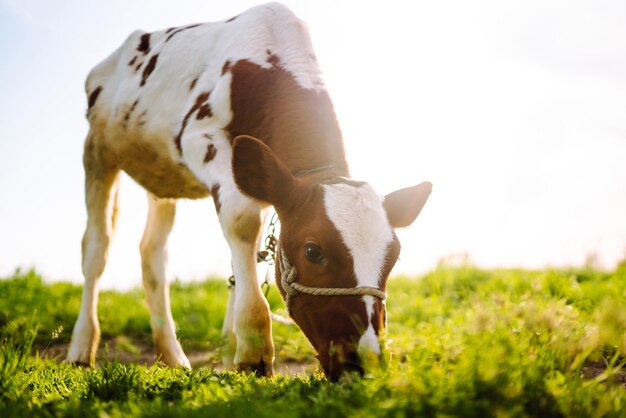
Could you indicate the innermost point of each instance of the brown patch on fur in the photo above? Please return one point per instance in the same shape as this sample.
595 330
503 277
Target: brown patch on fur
298 124
247 227
141 120
93 97
226 67
149 68
200 102
130 110
215 192
378 317
193 83
132 62
211 151
138 66
144 44
176 31
204 111
272 59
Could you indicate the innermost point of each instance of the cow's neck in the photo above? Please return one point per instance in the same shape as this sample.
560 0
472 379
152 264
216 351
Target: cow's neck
298 124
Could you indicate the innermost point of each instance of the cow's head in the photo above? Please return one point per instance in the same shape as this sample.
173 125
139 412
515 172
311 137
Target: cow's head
336 234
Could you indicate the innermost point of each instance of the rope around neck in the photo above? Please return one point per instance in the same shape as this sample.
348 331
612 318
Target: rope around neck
288 276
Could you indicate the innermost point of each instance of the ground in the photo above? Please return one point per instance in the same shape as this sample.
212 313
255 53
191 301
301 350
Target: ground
118 349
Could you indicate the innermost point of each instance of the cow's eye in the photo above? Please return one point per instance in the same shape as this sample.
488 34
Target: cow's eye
314 253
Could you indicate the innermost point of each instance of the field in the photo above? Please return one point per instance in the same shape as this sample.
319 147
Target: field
461 342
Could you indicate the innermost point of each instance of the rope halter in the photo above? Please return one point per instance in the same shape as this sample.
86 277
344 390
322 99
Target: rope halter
288 276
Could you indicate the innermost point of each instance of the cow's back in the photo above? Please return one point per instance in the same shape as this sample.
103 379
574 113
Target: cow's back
140 97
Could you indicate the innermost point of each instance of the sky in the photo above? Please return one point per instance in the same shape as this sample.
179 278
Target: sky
514 110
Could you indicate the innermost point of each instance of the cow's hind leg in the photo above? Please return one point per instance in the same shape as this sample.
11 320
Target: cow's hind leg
153 260
240 219
101 199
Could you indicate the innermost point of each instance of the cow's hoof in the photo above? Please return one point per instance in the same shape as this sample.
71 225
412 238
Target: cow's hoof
78 363
261 369
173 359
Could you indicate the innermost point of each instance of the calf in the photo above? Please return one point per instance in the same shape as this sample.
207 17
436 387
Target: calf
180 111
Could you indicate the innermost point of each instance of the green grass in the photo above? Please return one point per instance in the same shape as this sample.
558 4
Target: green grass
461 342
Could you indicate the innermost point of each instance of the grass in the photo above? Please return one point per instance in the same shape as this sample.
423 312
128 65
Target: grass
461 342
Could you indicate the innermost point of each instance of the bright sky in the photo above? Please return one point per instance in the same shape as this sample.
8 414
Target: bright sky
514 110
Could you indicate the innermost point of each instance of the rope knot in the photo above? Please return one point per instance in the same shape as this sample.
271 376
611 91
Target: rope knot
288 277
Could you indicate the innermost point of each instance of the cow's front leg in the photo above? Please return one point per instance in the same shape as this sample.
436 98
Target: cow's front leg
250 316
229 339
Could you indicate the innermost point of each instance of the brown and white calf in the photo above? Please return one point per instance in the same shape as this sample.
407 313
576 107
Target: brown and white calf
179 110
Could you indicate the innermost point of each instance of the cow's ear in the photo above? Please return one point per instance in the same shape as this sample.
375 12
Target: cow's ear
403 206
258 173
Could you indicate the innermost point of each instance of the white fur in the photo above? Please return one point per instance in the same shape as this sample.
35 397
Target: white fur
153 249
203 50
369 341
86 333
86 328
359 216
